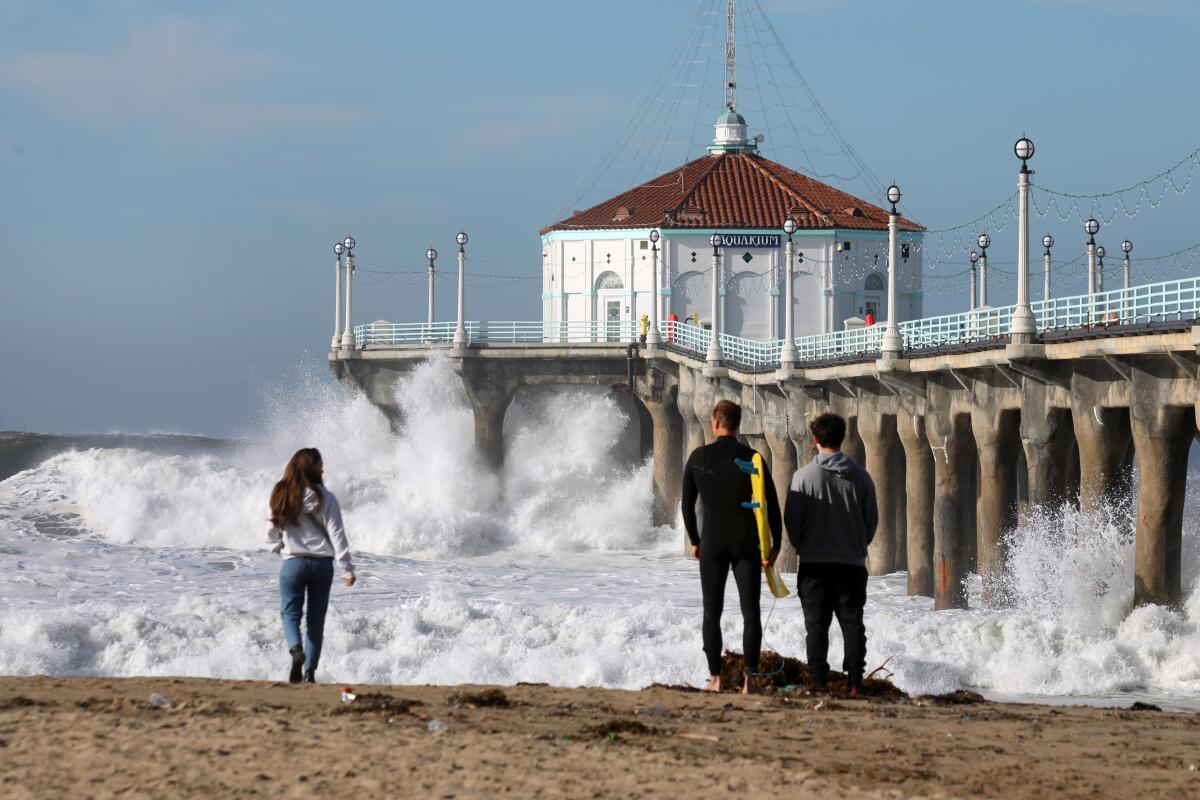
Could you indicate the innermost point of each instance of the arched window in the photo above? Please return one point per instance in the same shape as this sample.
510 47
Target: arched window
875 283
609 280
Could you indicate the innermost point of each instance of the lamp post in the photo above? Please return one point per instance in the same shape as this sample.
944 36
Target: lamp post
1091 227
348 332
984 241
460 330
1100 254
1126 247
338 249
431 254
892 343
1023 328
974 260
652 337
1047 242
714 342
788 355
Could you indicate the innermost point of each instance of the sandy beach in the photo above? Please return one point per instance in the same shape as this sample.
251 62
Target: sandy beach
100 737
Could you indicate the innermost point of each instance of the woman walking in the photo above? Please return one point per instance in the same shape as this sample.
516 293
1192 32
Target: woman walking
306 527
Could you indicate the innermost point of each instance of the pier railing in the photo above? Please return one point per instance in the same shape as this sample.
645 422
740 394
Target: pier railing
1167 301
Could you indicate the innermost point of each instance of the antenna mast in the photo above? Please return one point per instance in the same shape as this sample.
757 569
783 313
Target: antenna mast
730 58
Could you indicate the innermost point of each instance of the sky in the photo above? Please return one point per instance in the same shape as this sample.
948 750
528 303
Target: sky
173 175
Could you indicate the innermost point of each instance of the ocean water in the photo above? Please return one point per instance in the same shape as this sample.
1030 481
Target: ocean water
128 555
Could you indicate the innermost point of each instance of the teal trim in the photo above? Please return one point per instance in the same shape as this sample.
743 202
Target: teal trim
545 295
720 292
773 292
587 293
620 234
556 294
664 292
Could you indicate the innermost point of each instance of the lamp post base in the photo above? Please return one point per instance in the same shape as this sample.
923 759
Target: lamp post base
347 342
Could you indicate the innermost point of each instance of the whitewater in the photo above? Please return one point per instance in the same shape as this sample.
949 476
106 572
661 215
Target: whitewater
148 558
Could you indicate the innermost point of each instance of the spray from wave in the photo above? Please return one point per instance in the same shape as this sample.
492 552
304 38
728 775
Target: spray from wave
421 492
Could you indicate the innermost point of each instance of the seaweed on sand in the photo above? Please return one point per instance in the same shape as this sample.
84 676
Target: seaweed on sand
779 673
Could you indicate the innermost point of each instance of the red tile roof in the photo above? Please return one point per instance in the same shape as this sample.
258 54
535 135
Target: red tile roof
733 190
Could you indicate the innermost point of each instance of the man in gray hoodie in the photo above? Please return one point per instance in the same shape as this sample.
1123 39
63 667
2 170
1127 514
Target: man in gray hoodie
831 516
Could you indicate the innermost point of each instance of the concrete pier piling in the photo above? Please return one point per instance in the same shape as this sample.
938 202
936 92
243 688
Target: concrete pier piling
963 445
880 440
997 440
919 492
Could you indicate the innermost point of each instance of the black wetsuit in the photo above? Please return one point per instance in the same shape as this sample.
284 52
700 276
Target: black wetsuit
730 540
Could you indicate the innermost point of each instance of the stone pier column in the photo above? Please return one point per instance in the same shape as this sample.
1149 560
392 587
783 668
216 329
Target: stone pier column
667 424
1046 436
854 445
1162 436
1103 437
879 437
919 494
783 466
490 395
489 427
949 437
997 439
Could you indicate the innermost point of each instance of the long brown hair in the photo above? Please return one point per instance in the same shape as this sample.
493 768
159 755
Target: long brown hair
287 498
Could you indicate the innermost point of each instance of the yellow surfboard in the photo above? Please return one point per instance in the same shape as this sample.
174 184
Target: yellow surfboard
758 504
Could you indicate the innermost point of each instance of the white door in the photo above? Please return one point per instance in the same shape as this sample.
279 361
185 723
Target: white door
612 319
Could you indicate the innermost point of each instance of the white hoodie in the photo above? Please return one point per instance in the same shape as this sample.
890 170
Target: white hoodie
306 538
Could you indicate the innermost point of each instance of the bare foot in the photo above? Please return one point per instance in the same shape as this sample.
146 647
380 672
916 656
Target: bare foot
713 685
749 686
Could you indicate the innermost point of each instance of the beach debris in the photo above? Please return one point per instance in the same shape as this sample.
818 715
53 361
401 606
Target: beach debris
781 674
158 701
1140 706
820 704
348 695
613 729
698 737
378 703
437 726
487 698
962 697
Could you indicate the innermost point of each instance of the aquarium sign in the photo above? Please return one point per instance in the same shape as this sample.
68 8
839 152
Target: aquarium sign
750 239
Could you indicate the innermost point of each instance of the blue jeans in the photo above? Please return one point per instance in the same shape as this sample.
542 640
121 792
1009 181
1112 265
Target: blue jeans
297 576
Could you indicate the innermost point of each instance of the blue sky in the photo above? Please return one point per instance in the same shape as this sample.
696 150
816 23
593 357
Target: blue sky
174 174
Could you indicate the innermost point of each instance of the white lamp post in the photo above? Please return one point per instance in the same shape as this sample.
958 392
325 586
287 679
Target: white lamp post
984 241
338 249
892 343
1023 327
460 330
1091 227
788 355
714 342
431 254
1047 242
1100 254
974 260
1127 248
652 337
348 332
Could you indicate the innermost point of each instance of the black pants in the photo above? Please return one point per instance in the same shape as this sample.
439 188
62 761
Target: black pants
715 563
827 590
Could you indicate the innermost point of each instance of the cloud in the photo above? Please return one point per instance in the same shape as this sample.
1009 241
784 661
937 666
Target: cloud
185 74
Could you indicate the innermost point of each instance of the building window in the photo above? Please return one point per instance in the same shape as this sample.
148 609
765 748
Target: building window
609 280
875 283
644 245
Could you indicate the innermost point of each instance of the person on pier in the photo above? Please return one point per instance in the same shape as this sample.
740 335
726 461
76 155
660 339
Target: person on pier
728 538
831 517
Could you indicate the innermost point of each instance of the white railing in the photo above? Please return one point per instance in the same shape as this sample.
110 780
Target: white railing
1157 302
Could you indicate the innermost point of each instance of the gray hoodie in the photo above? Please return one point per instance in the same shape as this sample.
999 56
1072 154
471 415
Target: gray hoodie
831 513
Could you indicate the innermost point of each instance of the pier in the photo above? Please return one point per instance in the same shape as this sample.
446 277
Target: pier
964 430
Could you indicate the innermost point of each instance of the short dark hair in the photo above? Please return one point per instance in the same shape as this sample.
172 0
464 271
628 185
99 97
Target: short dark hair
829 430
728 415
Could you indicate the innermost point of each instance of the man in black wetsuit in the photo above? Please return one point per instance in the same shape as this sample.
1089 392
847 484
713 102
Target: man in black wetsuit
730 536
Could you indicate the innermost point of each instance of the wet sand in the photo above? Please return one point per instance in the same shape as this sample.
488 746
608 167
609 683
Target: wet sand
98 737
